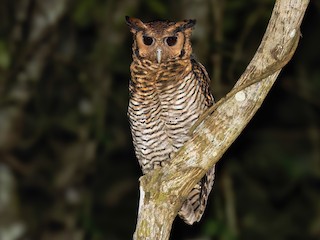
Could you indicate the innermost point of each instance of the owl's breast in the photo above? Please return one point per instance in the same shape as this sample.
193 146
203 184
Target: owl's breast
161 112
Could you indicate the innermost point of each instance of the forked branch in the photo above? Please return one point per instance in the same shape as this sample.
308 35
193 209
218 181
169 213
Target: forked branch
163 191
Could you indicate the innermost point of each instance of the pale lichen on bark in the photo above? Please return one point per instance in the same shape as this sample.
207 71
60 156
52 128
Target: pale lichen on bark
164 190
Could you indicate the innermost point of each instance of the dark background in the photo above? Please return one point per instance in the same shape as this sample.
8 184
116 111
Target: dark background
67 165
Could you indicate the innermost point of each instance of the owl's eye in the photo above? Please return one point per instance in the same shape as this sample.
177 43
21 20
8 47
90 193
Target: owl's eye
171 41
147 40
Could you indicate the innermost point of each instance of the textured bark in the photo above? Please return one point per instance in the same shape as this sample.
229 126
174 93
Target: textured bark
163 191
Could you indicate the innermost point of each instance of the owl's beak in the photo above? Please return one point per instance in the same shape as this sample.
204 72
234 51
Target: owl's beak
159 52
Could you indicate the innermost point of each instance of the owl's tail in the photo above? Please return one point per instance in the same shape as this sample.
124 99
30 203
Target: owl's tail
193 208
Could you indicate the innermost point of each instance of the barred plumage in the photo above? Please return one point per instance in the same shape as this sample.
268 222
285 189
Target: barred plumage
169 90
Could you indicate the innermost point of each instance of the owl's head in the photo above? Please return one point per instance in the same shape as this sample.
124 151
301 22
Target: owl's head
161 41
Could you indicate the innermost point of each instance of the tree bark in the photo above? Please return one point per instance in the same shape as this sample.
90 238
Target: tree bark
163 191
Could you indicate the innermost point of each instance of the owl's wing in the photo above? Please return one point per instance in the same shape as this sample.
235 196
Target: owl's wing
195 204
204 81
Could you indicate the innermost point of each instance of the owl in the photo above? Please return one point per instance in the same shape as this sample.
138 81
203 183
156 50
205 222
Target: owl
168 91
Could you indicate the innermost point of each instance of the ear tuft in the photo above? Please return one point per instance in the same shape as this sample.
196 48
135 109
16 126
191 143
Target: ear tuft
135 24
190 23
185 25
127 19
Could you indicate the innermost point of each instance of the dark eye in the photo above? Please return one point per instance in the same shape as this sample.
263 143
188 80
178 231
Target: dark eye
171 41
147 40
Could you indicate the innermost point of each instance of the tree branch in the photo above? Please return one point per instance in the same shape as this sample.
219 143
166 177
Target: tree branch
163 191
